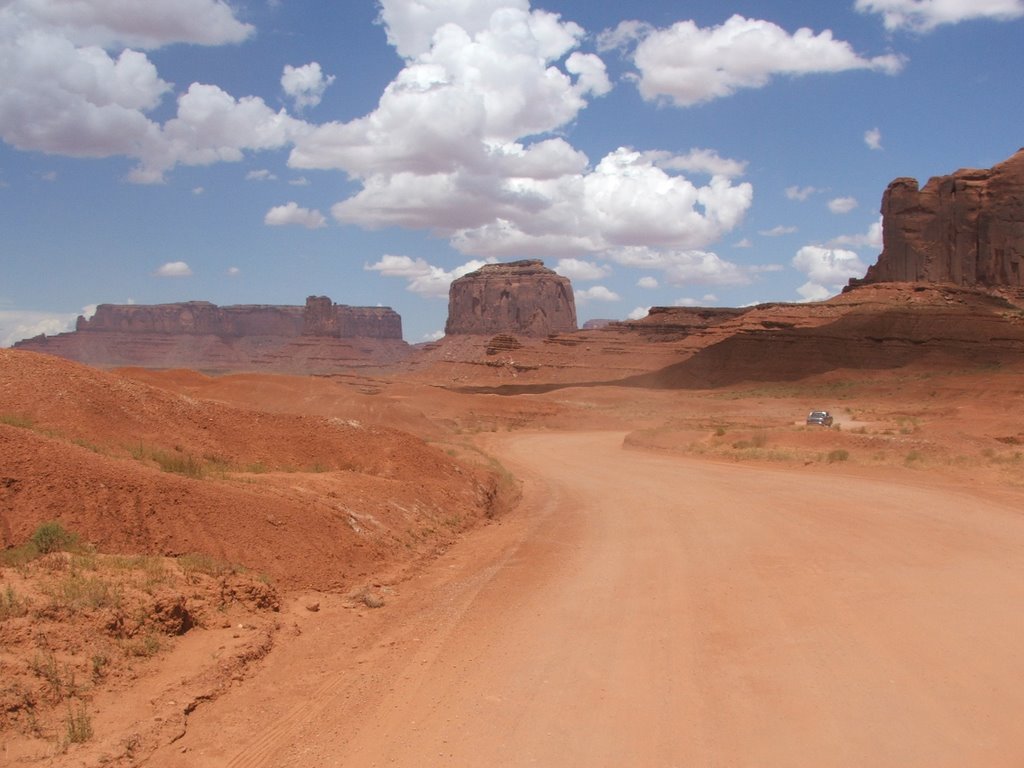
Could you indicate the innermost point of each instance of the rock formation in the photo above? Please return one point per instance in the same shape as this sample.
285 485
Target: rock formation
319 337
324 318
520 297
966 229
320 317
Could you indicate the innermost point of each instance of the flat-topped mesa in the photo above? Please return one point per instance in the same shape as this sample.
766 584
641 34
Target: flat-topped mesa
324 318
320 317
966 228
520 297
320 337
196 318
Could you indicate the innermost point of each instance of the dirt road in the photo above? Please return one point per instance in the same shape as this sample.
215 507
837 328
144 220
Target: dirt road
647 610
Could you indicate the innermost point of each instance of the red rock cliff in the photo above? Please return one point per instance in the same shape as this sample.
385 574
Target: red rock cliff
519 297
966 229
320 337
320 317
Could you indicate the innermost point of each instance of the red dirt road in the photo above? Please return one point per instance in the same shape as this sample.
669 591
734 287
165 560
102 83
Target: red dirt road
648 610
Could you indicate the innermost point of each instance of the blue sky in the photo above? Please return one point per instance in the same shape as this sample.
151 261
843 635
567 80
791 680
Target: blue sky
657 153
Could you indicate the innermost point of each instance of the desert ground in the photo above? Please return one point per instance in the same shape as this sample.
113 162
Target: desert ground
400 569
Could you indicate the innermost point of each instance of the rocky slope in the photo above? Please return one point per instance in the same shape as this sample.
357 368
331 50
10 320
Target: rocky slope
309 501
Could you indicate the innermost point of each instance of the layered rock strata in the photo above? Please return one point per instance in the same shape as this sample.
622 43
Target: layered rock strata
966 229
319 337
320 317
523 298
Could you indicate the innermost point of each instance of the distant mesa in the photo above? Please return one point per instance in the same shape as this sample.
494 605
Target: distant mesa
966 229
523 298
320 317
319 336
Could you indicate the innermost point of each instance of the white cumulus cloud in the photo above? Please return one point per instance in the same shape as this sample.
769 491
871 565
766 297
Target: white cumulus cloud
925 15
625 200
578 269
174 269
16 325
688 64
305 85
460 144
292 214
699 161
212 126
126 23
827 270
74 83
410 24
842 204
704 301
647 282
422 277
870 239
800 194
596 293
873 138
682 266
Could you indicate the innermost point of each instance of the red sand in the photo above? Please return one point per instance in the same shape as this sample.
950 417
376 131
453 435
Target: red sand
692 577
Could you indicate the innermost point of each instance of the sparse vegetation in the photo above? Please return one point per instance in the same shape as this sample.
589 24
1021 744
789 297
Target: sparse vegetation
45 666
78 592
758 440
78 724
1005 457
99 663
178 463
142 646
839 454
369 599
81 619
47 538
12 605
907 425
17 420
52 537
196 562
89 446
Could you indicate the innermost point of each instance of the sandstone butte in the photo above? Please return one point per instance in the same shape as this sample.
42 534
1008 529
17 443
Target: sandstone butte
520 297
966 229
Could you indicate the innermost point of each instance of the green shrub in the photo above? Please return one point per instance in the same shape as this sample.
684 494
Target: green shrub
53 537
